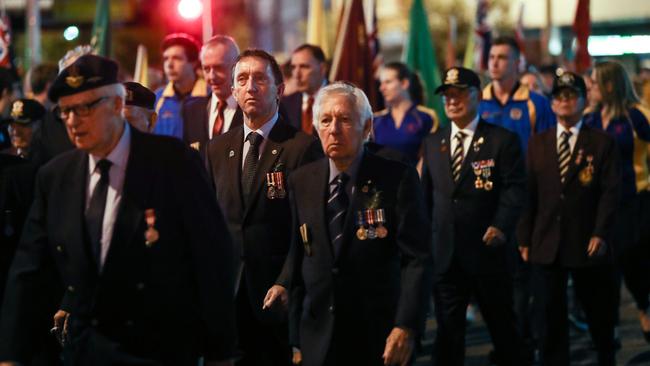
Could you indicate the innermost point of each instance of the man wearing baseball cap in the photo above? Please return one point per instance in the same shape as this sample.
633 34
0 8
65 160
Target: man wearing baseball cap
573 193
473 179
25 117
180 53
126 236
139 106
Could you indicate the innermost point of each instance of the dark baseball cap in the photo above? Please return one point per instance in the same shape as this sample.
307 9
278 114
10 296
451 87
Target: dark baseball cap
86 73
459 77
569 80
26 111
139 96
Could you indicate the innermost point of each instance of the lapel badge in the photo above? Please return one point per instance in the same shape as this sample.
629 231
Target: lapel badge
366 187
477 144
195 145
443 146
304 235
587 173
151 235
274 151
231 153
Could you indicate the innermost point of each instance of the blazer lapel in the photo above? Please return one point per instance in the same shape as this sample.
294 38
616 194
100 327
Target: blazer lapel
234 151
319 192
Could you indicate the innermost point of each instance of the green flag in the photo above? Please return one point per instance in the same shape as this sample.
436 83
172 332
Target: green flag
101 38
420 56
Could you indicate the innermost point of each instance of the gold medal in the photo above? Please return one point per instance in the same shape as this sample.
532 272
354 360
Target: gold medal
585 176
488 185
362 233
151 236
381 231
478 183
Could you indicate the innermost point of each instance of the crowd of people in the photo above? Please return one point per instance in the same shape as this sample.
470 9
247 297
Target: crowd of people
223 219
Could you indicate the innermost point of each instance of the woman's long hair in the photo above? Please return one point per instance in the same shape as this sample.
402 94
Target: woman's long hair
415 90
621 95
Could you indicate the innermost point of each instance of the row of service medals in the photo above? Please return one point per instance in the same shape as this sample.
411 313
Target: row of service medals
483 171
371 224
275 185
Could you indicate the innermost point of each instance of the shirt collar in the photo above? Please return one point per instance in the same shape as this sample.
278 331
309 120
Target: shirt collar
574 130
263 131
119 156
469 130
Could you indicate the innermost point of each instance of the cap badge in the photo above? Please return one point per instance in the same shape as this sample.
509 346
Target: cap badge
452 77
74 80
566 78
129 95
17 109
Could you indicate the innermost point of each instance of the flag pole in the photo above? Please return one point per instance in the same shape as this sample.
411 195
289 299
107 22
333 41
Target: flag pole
33 18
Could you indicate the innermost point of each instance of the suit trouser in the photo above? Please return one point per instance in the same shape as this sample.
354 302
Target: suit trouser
493 293
631 249
261 344
594 287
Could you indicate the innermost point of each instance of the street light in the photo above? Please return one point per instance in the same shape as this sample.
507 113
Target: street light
190 9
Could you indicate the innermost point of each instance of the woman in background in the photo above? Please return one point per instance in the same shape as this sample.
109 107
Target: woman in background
404 123
619 113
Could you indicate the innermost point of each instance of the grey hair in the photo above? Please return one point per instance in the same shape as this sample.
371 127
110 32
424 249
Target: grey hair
217 40
355 95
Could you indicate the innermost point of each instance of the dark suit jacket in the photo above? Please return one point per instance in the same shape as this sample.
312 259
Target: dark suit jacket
196 113
355 297
291 109
170 301
50 140
462 213
261 230
560 218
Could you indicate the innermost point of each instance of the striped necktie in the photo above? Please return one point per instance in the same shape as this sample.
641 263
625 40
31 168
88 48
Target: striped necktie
457 157
337 205
564 154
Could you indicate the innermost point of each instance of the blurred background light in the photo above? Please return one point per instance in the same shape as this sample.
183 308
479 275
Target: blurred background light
71 33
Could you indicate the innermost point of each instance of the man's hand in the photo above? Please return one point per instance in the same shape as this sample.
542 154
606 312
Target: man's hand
524 253
297 356
399 347
276 292
60 328
597 247
493 236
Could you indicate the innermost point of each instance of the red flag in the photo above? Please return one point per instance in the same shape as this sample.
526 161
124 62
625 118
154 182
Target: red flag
582 29
352 59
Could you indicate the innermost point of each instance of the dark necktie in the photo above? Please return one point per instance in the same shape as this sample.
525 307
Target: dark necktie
337 205
250 164
564 154
457 157
95 212
307 115
219 119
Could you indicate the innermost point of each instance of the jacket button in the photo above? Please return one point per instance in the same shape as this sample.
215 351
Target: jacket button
71 288
562 196
129 323
335 270
558 218
332 309
94 322
140 286
59 248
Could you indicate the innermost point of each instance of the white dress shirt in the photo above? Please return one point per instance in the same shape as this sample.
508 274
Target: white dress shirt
575 130
469 131
228 113
263 131
119 158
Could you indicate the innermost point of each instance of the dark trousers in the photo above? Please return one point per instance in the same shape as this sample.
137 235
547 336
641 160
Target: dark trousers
594 288
261 344
631 249
493 293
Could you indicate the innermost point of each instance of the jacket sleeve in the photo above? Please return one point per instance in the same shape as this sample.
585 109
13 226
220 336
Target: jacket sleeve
211 252
527 220
513 181
414 241
609 191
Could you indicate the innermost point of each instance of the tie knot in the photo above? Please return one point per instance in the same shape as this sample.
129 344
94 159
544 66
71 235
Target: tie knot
254 138
341 179
460 136
104 166
566 135
221 105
